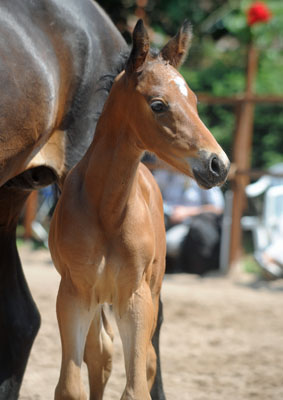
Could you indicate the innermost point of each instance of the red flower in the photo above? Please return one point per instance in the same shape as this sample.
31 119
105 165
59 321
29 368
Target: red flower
258 12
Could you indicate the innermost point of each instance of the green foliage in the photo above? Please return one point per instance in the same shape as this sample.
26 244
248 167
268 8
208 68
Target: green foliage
235 22
170 14
268 138
269 77
250 266
223 77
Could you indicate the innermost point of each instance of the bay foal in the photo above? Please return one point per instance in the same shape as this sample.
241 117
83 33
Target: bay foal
107 236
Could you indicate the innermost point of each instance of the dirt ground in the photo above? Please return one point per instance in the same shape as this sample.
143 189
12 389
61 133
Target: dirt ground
222 338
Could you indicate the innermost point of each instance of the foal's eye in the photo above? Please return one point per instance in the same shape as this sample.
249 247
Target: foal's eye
158 106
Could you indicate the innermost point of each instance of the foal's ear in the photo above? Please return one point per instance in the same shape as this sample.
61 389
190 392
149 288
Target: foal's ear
140 48
176 50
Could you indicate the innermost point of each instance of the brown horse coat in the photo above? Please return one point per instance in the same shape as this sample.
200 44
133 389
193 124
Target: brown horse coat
107 236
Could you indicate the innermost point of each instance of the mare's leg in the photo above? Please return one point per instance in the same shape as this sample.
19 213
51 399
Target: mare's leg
135 324
19 317
74 315
98 353
157 392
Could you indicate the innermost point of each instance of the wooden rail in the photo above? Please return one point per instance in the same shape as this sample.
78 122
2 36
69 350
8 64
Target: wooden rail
239 99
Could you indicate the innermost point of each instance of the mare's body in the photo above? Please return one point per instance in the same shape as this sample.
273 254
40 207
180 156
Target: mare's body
53 54
107 236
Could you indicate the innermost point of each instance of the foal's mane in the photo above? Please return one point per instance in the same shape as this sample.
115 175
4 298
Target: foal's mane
107 80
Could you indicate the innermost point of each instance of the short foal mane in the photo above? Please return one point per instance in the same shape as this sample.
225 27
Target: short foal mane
107 80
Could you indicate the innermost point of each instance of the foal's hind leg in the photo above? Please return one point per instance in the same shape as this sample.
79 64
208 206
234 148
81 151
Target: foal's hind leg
74 318
153 357
135 325
98 353
157 392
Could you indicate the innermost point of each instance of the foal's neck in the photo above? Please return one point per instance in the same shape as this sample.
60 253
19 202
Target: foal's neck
111 171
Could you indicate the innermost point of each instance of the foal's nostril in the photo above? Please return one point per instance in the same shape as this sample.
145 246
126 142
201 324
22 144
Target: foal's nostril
215 165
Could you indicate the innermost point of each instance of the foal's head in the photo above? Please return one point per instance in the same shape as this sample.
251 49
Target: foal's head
162 110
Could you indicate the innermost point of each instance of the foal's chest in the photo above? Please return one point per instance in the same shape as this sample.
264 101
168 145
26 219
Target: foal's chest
110 265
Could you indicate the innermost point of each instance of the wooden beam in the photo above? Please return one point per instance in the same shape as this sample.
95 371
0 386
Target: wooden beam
255 173
238 99
242 155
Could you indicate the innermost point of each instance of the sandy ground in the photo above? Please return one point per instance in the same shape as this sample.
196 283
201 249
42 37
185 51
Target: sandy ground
222 338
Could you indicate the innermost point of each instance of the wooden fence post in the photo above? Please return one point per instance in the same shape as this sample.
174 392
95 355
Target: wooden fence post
242 155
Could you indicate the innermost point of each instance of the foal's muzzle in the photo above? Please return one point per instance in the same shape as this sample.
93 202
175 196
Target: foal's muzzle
210 170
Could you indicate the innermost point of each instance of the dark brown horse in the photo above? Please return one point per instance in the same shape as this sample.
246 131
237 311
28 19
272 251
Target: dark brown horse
53 54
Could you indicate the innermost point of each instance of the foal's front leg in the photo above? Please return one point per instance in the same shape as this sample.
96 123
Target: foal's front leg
98 353
135 325
74 316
